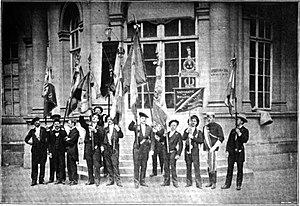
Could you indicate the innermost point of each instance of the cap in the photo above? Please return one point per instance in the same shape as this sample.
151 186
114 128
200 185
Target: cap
210 114
242 117
101 109
34 120
196 118
55 116
143 115
174 120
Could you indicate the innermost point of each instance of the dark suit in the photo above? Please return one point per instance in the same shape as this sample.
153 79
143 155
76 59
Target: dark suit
92 155
193 157
57 148
141 147
158 152
236 150
169 157
38 153
72 154
111 153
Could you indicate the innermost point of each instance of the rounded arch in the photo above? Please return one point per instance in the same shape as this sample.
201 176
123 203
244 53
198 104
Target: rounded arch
68 12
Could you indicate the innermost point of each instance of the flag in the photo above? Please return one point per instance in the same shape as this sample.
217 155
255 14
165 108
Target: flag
80 94
230 91
48 93
187 99
95 86
133 91
134 61
159 104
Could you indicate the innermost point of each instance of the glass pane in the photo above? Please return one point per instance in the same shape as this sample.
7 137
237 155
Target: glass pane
150 68
149 51
185 46
7 83
146 100
6 51
260 50
267 50
15 82
139 101
267 84
170 100
260 100
260 66
260 83
7 97
267 67
252 49
16 96
188 82
252 99
267 100
171 82
253 27
7 69
14 50
171 50
8 109
268 30
172 67
149 30
17 109
252 83
187 27
261 28
171 29
151 82
15 68
252 66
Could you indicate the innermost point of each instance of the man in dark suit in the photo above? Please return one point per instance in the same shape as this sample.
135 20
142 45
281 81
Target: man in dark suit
213 138
111 151
72 151
37 138
158 152
93 140
144 142
57 150
236 151
193 137
171 142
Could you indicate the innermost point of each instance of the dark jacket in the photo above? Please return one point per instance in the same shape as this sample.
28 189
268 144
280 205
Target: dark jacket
216 132
139 137
114 138
198 139
71 144
57 143
38 147
174 140
235 147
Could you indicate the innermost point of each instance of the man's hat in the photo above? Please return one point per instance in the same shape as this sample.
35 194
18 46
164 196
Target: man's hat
242 117
56 120
101 109
34 120
143 115
211 114
196 118
174 120
55 116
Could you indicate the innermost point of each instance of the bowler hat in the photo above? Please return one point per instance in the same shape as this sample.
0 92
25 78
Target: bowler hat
211 114
242 117
174 120
55 116
101 109
196 118
34 120
143 115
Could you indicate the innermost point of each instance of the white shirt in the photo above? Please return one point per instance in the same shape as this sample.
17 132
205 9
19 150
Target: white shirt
37 132
143 128
171 133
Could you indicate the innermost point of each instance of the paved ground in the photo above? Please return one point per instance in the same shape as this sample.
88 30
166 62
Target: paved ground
272 187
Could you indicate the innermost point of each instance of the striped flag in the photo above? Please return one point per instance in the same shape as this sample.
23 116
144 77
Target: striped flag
230 91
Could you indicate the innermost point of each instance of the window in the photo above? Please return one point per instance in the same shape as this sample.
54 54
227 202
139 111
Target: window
260 62
174 38
11 100
75 38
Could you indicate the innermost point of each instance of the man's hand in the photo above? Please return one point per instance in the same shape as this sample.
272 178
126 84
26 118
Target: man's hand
237 130
117 127
47 128
30 142
191 136
177 157
102 148
50 155
96 147
151 152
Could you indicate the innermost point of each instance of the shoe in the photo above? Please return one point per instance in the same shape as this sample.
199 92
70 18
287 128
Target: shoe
199 187
58 182
119 184
213 186
225 187
97 184
41 182
33 183
109 183
238 188
89 183
72 183
152 175
188 185
50 181
176 185
165 184
105 174
208 185
144 185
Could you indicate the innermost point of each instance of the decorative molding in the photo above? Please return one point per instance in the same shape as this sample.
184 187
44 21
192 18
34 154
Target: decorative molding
202 11
64 36
28 42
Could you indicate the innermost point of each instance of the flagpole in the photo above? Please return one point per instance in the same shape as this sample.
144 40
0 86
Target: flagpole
67 108
89 83
235 96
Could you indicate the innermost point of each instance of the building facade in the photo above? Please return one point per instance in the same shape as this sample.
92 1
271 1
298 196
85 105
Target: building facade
261 36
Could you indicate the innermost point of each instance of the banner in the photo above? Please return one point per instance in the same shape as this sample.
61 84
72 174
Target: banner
187 99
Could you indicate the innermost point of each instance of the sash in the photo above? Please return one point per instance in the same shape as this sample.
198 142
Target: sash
207 138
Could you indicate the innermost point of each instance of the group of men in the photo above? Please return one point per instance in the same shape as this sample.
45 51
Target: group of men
101 146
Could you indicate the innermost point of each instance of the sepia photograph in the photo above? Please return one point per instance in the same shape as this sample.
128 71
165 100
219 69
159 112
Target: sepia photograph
148 102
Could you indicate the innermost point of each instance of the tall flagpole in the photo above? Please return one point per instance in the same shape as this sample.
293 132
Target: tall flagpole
233 61
89 84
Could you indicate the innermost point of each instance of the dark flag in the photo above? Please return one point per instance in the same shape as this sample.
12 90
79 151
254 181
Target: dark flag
48 93
187 99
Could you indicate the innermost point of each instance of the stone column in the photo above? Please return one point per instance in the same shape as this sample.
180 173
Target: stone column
220 52
39 49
